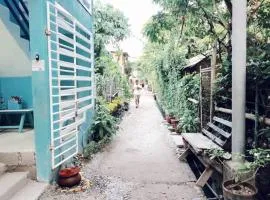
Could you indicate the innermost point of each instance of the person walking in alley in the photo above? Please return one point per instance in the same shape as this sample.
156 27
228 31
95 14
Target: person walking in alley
137 92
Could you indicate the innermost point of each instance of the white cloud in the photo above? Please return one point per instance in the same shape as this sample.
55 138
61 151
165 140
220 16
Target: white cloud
138 12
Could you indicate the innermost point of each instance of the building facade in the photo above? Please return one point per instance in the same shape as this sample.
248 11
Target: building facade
48 61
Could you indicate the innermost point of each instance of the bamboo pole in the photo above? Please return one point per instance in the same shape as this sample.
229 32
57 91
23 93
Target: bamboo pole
250 116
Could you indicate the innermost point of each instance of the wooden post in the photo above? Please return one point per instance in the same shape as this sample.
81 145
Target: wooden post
201 98
257 117
213 78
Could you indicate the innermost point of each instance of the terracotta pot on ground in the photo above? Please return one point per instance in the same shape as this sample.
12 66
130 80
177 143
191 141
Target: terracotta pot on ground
238 191
169 119
69 177
174 123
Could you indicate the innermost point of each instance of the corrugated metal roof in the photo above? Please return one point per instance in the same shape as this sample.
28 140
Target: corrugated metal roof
195 60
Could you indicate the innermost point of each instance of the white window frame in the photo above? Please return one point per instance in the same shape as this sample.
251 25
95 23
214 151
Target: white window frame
88 9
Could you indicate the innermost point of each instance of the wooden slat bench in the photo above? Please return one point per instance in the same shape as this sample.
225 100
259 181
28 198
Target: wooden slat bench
22 113
215 136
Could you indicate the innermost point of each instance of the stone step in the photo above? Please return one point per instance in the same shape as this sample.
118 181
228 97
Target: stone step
3 168
18 158
178 140
31 191
11 183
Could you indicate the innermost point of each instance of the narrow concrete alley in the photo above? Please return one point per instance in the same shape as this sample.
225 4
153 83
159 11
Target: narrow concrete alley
140 163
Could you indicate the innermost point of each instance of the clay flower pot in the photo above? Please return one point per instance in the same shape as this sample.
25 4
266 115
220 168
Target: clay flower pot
168 119
241 191
69 177
174 123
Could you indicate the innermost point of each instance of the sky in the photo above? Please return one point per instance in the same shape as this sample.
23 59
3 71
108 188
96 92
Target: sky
138 12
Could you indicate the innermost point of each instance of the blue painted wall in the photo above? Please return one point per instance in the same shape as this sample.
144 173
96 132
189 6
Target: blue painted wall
40 82
17 86
78 11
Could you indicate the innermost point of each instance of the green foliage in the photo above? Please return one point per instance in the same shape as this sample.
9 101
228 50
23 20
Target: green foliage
95 147
158 27
163 67
261 157
104 123
110 25
218 153
108 71
127 95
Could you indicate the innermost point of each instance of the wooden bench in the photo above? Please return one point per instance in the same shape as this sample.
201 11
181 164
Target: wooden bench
215 136
22 113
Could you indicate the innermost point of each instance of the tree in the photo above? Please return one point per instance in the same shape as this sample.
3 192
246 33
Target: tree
110 25
186 28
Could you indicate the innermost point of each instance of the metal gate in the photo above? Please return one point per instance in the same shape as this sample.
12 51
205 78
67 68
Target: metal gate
70 47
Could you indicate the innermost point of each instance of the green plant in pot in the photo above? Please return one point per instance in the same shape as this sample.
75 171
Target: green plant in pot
241 189
169 116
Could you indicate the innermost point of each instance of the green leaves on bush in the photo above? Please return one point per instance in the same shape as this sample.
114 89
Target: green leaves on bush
104 124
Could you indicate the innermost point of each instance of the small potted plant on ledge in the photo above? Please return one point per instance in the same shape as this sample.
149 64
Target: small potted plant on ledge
15 103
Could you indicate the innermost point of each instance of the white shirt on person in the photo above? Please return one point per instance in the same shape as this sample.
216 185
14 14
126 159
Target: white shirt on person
137 89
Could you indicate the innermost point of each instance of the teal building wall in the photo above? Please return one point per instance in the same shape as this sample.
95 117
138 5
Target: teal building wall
17 86
40 82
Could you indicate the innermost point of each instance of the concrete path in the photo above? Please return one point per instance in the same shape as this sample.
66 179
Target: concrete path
140 164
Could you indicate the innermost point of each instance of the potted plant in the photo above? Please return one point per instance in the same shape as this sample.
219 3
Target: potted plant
169 117
238 190
15 103
233 190
174 123
69 177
